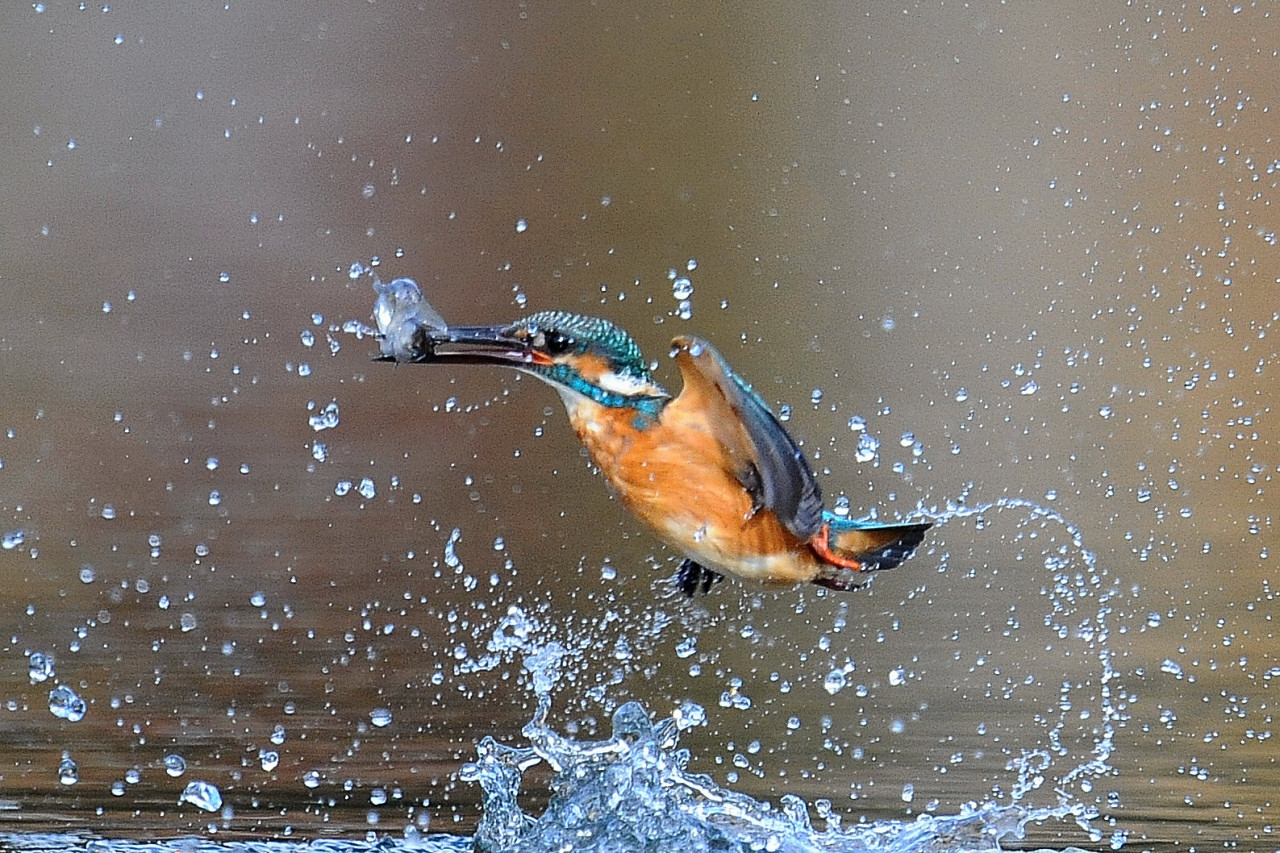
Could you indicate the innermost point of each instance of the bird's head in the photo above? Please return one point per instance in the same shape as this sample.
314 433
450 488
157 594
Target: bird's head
580 356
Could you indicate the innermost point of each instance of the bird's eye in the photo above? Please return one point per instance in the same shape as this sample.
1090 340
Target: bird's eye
558 343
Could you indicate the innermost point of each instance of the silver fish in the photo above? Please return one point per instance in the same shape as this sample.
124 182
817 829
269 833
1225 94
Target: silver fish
406 321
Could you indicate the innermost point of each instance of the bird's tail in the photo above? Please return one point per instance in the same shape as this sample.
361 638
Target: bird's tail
851 547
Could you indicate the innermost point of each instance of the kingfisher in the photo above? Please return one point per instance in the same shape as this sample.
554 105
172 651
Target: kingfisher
711 470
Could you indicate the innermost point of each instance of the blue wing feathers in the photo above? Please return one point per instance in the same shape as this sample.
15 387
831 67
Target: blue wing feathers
840 523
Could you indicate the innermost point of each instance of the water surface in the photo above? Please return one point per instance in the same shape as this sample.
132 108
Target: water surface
1010 267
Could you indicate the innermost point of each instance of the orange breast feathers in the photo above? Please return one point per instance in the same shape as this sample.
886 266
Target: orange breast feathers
676 474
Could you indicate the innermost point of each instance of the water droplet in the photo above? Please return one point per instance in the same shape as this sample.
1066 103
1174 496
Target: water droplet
202 795
13 539
521 226
367 489
868 447
326 418
269 759
908 792
175 765
682 288
835 681
40 667
688 715
66 705
68 770
380 717
86 574
450 550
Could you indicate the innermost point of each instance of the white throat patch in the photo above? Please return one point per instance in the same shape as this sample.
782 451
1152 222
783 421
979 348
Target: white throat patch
622 384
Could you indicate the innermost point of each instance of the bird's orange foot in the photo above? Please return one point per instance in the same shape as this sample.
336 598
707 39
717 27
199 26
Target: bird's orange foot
821 545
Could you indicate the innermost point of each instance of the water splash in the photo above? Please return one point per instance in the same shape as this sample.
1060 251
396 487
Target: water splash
632 792
1067 596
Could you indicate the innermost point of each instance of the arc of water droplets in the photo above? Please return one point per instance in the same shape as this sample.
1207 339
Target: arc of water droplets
1104 744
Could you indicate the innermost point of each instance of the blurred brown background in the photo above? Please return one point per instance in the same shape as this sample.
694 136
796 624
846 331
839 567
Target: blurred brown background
1033 248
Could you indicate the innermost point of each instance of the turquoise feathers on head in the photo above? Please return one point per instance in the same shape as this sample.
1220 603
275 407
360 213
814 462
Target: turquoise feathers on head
577 333
560 333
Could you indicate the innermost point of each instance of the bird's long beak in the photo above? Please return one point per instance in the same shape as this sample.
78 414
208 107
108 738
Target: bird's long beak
475 345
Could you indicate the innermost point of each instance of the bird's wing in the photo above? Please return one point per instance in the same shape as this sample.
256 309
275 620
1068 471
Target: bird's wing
767 461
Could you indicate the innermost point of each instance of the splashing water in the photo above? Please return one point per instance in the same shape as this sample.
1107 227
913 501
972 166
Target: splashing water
633 792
